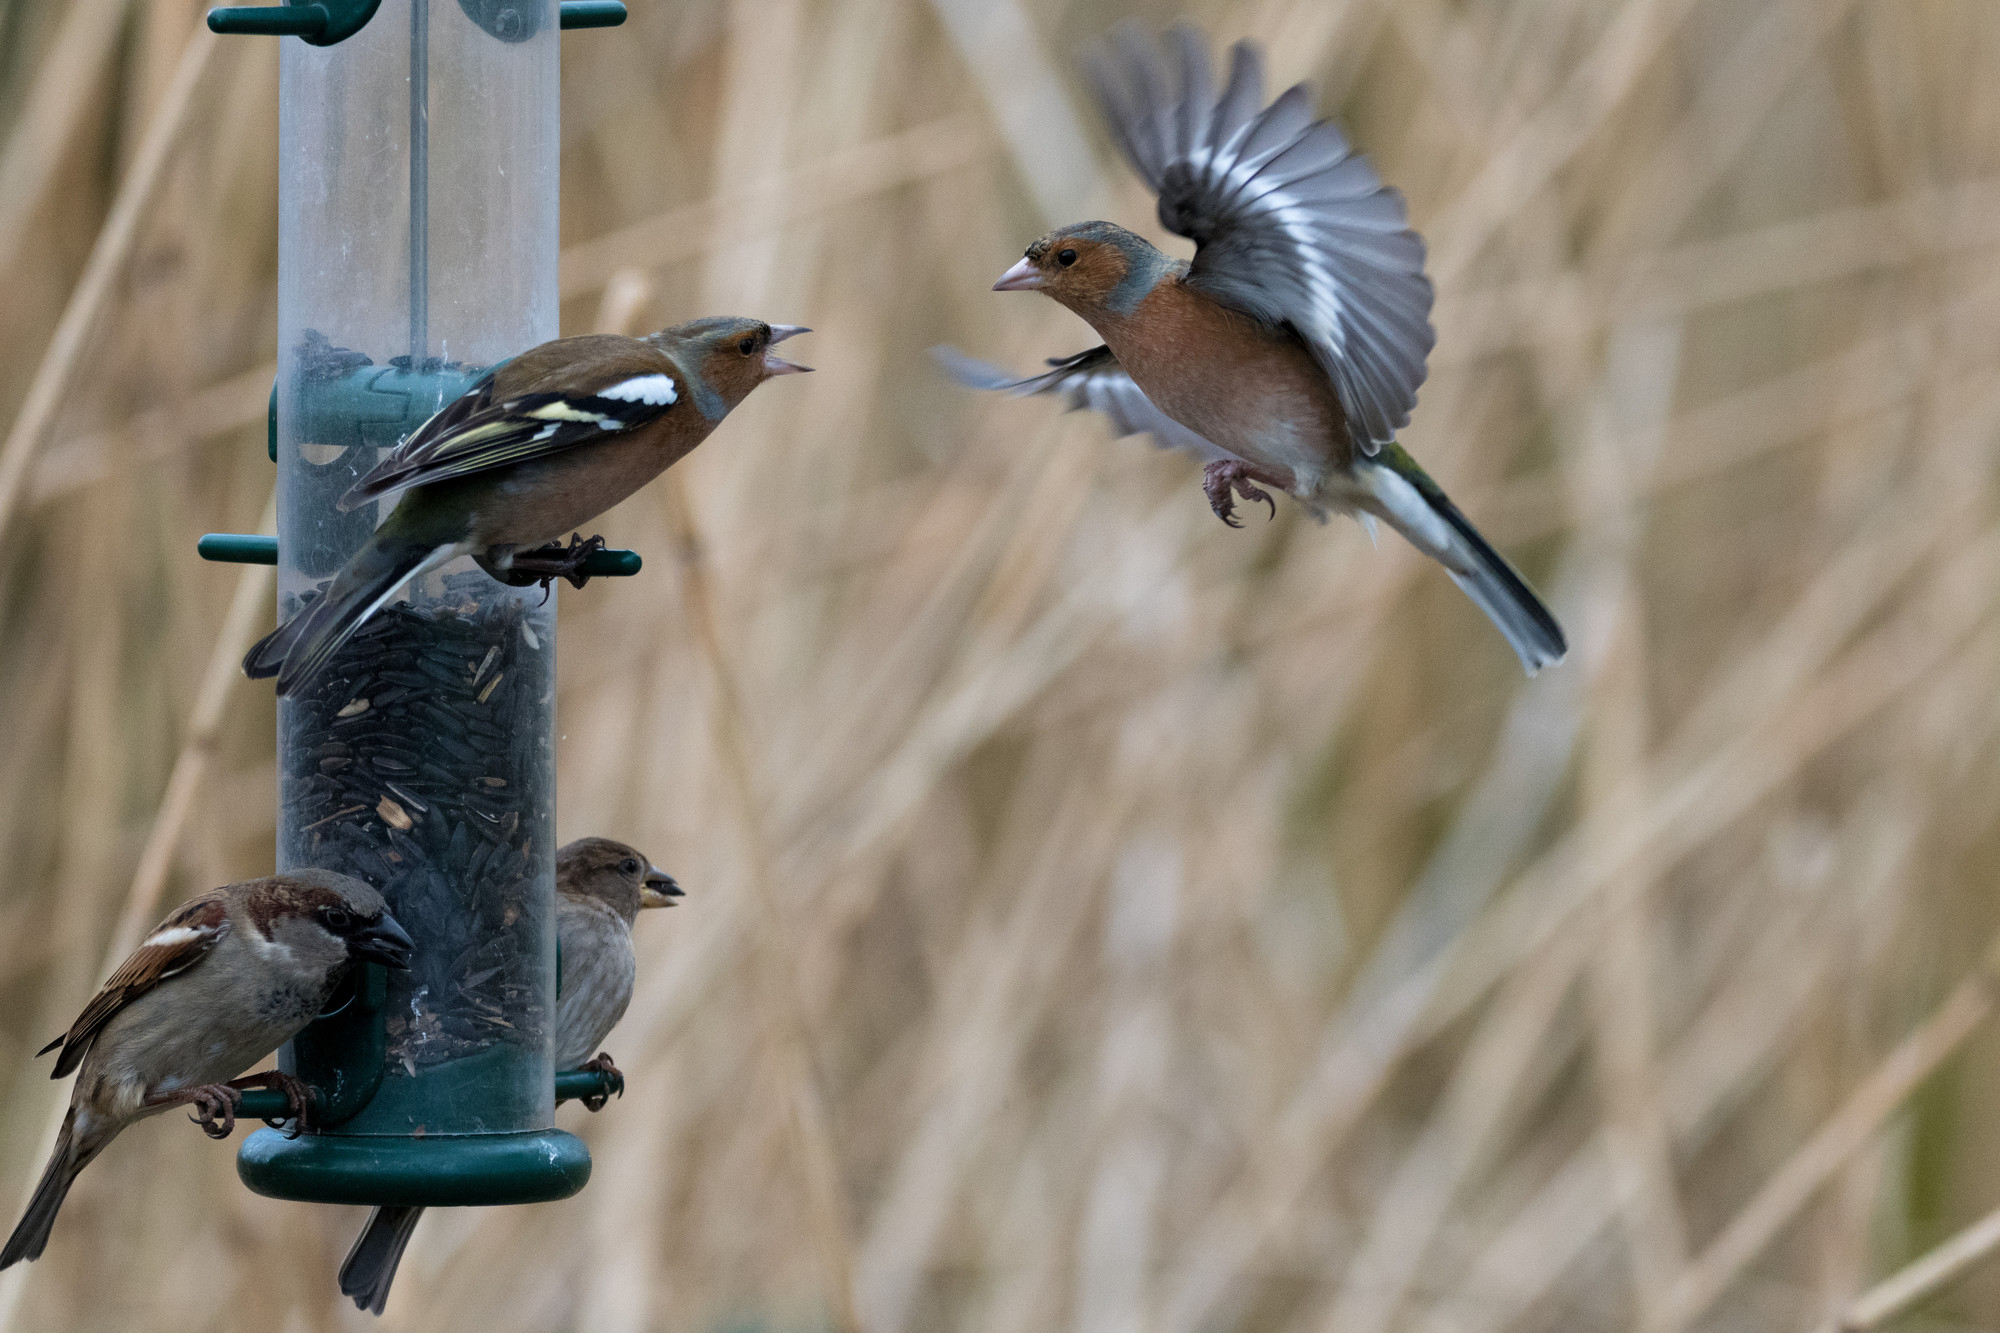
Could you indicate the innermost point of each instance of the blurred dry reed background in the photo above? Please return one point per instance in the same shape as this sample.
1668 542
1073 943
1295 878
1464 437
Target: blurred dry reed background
1099 919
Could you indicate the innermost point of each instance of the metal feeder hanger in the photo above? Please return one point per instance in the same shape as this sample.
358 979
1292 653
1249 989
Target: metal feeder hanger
417 245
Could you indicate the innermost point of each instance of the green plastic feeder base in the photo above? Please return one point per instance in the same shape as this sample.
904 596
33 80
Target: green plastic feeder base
444 1171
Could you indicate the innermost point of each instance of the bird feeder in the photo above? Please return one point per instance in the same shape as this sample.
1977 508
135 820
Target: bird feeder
417 246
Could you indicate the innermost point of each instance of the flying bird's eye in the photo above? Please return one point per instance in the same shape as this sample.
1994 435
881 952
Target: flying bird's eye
336 919
1065 257
628 867
747 346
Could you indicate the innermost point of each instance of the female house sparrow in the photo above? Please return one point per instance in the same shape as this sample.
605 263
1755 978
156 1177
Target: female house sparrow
600 887
537 447
1290 351
225 980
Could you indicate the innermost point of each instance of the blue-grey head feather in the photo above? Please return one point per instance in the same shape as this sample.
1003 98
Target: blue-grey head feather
1145 263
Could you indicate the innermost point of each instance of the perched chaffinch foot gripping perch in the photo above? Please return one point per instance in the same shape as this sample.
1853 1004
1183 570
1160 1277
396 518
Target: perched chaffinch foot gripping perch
226 979
600 887
536 448
1289 352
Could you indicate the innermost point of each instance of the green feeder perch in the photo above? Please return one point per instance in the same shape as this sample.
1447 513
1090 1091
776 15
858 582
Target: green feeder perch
417 245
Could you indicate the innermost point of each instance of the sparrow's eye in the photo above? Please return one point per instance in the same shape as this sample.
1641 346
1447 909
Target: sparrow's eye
1065 257
628 867
337 919
747 346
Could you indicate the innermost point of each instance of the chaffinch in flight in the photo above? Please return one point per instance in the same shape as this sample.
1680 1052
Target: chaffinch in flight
601 886
539 446
1289 352
226 979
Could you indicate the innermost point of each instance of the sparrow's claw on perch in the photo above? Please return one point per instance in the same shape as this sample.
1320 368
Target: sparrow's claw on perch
614 1080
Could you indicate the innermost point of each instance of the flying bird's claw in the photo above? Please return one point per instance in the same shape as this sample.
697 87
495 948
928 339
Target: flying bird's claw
615 1077
1225 479
545 564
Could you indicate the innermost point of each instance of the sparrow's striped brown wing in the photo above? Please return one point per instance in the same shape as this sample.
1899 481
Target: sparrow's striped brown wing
1291 224
1093 380
175 945
566 393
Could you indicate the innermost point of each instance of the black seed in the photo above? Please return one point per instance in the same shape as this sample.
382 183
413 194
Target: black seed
463 880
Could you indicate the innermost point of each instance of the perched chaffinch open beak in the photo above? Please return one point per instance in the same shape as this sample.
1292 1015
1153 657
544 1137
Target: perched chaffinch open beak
777 365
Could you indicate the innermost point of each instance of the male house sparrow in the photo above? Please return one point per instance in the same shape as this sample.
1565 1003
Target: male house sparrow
537 447
1290 350
600 887
227 978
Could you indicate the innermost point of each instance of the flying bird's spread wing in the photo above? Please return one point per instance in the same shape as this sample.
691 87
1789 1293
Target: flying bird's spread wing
175 945
1091 379
1291 224
512 415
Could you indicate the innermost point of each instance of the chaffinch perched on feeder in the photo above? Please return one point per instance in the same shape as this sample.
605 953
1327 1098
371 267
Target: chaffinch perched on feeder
1289 352
601 886
539 446
226 979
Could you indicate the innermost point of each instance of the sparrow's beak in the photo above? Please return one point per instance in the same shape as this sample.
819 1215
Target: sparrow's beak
385 942
1023 277
659 890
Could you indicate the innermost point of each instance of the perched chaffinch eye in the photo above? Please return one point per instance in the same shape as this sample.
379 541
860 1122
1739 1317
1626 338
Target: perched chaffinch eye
747 346
628 867
1065 257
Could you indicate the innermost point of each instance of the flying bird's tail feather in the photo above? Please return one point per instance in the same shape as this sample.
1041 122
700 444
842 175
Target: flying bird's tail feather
370 1267
31 1233
1404 496
297 650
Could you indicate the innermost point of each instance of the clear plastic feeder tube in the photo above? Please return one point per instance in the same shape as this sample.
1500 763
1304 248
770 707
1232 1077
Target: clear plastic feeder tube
417 246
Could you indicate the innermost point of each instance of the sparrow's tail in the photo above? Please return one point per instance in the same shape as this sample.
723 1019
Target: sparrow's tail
1405 497
296 651
371 1265
31 1233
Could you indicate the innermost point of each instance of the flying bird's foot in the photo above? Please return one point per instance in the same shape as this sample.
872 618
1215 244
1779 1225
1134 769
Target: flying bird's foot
1222 477
614 1078
545 564
298 1098
214 1107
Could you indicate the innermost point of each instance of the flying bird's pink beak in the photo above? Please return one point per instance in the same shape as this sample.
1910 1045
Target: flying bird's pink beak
1023 277
777 365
